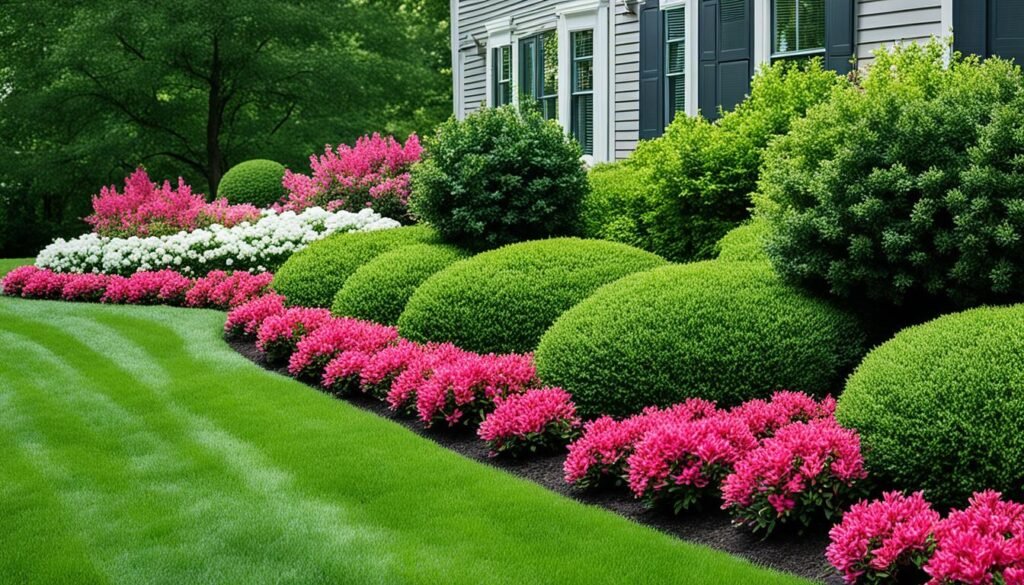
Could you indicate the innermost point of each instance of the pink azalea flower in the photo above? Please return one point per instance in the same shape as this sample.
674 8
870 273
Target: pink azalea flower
534 420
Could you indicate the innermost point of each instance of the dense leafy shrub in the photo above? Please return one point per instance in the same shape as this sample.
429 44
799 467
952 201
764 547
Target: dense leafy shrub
693 184
254 181
745 243
373 173
379 290
504 300
724 331
906 189
314 275
940 407
499 176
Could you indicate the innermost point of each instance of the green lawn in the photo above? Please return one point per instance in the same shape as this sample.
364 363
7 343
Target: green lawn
9 264
135 447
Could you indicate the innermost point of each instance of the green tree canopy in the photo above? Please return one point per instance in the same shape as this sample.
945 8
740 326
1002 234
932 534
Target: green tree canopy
90 90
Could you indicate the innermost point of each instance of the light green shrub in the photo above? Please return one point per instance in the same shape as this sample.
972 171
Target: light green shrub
745 243
253 181
504 300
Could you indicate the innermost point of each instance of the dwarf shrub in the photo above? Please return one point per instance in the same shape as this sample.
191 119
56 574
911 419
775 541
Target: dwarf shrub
940 407
379 290
723 331
313 276
906 190
253 181
504 300
745 243
499 176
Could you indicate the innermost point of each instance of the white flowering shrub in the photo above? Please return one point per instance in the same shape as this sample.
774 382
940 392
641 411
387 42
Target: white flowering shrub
258 247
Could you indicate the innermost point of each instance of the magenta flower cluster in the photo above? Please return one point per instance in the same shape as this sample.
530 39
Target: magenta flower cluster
438 382
373 173
541 419
982 544
217 290
144 208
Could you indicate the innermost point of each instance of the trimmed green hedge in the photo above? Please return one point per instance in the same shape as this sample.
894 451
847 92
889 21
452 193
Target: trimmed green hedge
504 300
311 277
379 290
745 243
253 181
725 331
940 407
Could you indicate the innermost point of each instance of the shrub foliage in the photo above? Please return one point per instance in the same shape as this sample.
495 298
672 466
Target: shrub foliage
745 243
255 181
940 407
379 290
504 300
498 177
723 331
905 189
313 276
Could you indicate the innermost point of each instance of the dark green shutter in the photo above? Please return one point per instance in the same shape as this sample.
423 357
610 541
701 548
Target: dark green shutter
839 41
652 74
1006 29
969 27
725 36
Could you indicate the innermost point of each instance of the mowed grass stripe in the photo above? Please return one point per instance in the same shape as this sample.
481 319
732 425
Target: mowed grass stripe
252 477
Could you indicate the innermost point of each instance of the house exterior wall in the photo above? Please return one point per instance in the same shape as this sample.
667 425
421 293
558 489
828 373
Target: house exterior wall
884 22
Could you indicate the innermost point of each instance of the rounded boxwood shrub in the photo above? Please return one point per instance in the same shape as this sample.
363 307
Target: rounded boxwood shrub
617 205
379 289
499 176
312 276
745 243
504 300
724 331
907 189
253 181
940 406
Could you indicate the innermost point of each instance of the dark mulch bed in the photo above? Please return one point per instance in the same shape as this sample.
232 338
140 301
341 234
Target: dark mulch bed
802 555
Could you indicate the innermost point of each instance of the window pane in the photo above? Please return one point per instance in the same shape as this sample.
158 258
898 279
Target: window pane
506 63
583 80
785 26
675 24
583 44
799 25
527 68
676 58
550 57
676 96
549 108
811 32
583 121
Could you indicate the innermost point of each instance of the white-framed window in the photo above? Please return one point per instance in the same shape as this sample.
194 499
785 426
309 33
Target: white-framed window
584 90
675 61
798 28
500 62
582 116
502 75
538 72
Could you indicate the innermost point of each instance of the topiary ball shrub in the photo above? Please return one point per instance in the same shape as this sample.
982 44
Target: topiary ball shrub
745 243
497 177
313 276
940 406
723 331
253 181
379 290
504 300
905 191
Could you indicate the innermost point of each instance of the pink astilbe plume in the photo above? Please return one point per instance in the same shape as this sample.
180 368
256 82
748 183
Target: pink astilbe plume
536 420
601 453
464 390
278 335
246 319
882 539
315 350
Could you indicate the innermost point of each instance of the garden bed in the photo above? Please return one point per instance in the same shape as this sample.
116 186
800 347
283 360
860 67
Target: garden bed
802 555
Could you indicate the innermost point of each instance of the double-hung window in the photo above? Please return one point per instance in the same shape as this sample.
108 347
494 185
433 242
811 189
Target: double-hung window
538 72
502 76
798 29
675 62
582 114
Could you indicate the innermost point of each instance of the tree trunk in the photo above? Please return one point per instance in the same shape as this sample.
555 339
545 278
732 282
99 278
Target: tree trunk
214 122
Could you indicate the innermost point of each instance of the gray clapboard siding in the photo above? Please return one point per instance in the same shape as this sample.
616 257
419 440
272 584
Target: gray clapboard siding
626 82
884 22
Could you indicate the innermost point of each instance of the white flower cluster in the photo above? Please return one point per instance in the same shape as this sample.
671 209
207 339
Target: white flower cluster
256 247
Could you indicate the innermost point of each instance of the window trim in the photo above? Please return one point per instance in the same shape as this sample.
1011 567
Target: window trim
575 93
667 42
692 55
584 15
499 34
499 80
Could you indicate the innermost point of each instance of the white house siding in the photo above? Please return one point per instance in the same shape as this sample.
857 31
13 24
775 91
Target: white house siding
884 22
626 81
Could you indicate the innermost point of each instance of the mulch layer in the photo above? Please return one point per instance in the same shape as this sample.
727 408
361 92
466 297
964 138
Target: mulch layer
802 555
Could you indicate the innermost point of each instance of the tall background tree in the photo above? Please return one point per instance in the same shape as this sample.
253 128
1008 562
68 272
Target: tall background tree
90 90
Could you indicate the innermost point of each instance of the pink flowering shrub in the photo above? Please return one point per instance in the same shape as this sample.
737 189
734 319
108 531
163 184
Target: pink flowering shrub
245 320
681 464
764 417
85 287
236 289
199 295
982 544
373 173
146 209
146 288
315 350
44 284
807 470
536 420
463 391
879 541
342 374
384 367
14 282
602 452
419 369
278 335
